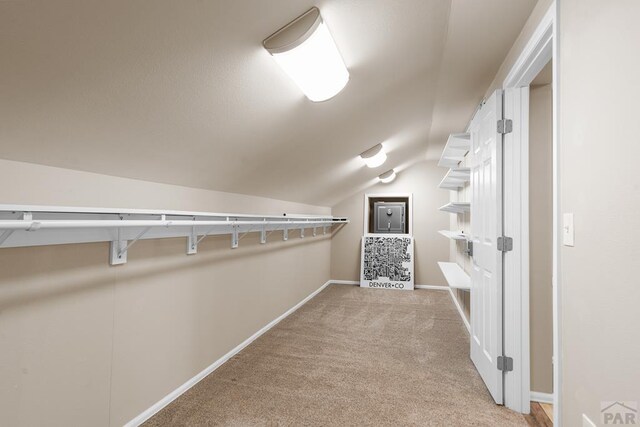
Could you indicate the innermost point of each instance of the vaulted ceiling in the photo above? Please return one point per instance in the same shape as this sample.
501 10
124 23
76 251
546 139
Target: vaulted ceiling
182 92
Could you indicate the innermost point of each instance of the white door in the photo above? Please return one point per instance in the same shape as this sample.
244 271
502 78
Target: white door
486 226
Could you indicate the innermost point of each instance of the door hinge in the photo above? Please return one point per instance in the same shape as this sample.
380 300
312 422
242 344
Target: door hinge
505 126
505 244
469 249
505 364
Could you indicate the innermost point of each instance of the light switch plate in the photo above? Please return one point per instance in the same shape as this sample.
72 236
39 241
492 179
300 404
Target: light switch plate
567 230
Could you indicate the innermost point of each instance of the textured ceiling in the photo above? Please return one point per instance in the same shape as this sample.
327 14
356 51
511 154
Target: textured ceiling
182 92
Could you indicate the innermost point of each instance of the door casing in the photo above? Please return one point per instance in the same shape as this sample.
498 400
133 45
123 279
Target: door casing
539 50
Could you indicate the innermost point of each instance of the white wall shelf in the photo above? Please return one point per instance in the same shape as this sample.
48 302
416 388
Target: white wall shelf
454 235
51 225
455 179
454 151
455 275
456 207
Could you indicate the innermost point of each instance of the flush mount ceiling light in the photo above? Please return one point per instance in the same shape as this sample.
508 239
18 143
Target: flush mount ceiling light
374 156
306 51
387 177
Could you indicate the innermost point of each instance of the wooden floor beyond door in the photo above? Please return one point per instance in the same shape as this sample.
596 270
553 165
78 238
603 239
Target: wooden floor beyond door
541 415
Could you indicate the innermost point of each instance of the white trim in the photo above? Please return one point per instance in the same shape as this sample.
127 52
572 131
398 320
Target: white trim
367 196
144 416
539 397
355 282
460 311
65 225
118 211
535 55
541 47
344 282
432 287
516 262
557 306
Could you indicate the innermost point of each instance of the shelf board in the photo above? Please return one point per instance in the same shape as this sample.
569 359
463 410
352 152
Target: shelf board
454 235
455 275
455 179
454 151
456 207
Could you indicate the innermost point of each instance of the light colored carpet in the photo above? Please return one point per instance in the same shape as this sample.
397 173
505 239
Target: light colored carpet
350 357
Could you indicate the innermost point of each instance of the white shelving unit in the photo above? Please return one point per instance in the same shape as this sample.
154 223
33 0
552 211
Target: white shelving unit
454 235
455 275
457 147
456 207
52 225
455 179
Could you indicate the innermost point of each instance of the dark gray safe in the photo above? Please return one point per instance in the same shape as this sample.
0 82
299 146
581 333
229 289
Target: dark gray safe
389 217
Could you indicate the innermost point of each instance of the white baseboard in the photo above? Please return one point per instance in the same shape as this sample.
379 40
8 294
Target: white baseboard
344 282
536 396
460 310
355 282
215 365
432 287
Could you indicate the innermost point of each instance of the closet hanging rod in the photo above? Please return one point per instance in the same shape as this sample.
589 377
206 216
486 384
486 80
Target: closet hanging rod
125 211
33 225
24 225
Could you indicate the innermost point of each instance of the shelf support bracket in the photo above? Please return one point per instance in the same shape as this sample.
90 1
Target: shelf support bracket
206 233
324 229
116 254
26 216
285 233
302 232
263 235
4 236
314 232
120 247
192 242
234 237
245 233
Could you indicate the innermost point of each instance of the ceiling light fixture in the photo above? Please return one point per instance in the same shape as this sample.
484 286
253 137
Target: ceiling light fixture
306 51
374 156
387 177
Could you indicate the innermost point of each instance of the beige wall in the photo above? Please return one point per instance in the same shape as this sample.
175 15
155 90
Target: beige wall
44 185
430 247
599 91
83 343
537 14
541 237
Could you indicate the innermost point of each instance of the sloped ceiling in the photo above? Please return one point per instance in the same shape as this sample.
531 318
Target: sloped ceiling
182 92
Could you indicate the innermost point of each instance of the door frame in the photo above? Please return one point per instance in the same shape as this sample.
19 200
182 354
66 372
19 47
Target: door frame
541 47
367 196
